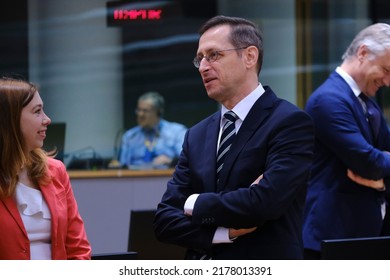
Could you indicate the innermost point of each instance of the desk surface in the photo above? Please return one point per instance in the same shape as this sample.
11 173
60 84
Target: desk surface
112 173
106 198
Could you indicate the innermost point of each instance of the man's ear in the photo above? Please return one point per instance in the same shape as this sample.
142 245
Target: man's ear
362 53
251 56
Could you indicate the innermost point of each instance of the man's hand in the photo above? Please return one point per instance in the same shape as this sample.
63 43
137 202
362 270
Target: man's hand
375 184
258 180
233 233
162 160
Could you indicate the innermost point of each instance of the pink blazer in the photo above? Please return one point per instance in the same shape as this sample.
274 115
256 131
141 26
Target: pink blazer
68 236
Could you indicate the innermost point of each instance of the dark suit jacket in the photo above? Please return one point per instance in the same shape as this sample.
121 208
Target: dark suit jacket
276 139
336 206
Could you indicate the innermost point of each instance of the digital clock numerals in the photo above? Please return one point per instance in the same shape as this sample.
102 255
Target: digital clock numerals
143 14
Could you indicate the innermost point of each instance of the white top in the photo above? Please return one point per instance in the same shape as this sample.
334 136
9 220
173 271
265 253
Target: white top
36 219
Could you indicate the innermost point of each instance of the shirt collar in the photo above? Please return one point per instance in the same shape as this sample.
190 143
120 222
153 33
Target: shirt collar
243 107
349 80
155 130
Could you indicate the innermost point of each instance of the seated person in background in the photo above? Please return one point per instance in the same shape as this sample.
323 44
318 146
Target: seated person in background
154 142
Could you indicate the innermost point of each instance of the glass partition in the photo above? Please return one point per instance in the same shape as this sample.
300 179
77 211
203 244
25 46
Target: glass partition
91 72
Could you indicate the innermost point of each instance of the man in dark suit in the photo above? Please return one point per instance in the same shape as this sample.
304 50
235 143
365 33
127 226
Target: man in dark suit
346 195
254 210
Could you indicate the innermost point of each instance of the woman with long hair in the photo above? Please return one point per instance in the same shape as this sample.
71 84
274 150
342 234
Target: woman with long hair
39 217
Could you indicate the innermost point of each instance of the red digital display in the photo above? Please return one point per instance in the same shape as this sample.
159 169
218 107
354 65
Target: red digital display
124 13
142 14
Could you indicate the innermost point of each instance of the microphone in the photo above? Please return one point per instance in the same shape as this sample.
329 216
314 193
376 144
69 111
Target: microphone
114 163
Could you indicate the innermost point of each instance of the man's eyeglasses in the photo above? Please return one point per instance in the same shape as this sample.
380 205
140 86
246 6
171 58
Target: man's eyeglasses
212 56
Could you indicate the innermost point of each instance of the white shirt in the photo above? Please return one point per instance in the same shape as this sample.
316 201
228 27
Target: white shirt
241 109
349 80
36 219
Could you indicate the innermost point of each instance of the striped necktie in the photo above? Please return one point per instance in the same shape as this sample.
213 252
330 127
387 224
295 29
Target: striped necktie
228 133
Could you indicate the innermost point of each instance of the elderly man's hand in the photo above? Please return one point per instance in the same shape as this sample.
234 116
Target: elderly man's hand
375 184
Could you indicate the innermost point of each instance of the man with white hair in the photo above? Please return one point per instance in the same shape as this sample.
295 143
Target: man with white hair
347 193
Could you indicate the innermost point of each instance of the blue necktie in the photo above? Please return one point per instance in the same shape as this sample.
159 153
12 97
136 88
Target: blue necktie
373 115
228 133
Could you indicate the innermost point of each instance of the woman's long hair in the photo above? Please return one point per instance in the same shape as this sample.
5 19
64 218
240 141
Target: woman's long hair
14 96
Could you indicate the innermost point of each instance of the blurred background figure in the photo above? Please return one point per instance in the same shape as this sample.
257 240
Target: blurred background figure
154 142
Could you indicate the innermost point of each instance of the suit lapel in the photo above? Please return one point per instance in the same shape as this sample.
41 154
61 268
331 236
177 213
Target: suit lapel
212 131
10 205
356 105
363 123
255 118
50 197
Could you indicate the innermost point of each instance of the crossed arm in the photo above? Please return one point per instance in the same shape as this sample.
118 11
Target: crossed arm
233 233
375 184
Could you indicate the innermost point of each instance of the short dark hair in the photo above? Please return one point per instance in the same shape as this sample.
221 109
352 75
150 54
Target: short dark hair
244 33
